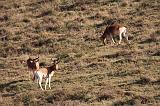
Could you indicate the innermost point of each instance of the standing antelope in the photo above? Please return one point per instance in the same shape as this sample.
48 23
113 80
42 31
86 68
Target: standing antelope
114 30
46 73
33 65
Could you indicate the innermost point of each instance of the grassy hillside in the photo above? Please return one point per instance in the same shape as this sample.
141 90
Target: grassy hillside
90 73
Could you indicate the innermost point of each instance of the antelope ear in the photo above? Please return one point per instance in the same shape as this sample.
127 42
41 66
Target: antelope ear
53 60
58 60
29 58
36 59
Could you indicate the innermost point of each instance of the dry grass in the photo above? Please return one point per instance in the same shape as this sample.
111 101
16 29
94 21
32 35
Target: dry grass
90 74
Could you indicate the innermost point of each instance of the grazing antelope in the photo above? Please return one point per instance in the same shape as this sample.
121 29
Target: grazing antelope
114 30
46 73
33 65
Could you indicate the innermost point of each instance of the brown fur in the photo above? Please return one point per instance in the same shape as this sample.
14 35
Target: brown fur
46 73
33 65
51 68
110 31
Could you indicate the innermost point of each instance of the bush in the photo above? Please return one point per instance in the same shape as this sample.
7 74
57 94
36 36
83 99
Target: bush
81 96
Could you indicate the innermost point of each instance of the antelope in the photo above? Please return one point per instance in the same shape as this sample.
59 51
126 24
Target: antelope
33 65
46 73
114 30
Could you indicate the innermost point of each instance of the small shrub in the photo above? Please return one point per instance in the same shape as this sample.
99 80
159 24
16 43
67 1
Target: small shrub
143 81
17 38
40 42
96 16
124 4
57 96
119 74
137 0
157 53
144 5
65 57
157 32
4 18
118 54
13 88
44 42
26 100
81 96
78 55
153 37
73 26
51 28
4 32
26 20
2 66
130 102
157 97
62 56
115 0
104 97
25 49
67 7
45 13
